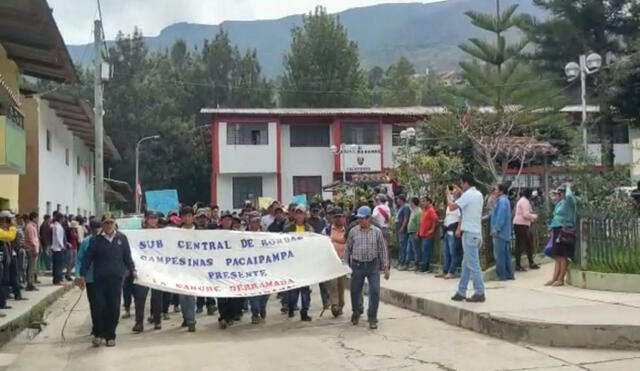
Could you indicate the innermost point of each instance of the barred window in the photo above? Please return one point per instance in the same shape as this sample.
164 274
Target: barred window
360 133
248 133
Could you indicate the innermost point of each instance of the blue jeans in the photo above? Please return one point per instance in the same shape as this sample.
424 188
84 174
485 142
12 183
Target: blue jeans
471 269
502 254
22 267
450 254
404 253
188 308
427 247
304 293
370 271
258 304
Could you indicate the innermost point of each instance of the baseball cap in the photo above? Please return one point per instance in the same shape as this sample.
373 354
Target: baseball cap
186 210
203 211
226 214
108 218
337 211
300 208
363 212
151 214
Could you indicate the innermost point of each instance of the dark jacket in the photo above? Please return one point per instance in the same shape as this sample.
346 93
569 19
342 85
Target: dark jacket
277 226
291 227
109 259
318 224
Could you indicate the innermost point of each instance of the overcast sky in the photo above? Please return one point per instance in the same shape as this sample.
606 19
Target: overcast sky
75 17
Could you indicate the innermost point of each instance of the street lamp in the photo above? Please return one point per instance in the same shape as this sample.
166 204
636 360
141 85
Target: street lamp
153 137
344 148
589 64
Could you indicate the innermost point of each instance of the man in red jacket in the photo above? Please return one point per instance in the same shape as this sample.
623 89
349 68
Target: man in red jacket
427 232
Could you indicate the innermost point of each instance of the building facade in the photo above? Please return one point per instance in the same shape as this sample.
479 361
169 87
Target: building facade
282 153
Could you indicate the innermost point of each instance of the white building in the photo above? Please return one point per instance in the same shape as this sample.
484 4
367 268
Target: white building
280 153
60 157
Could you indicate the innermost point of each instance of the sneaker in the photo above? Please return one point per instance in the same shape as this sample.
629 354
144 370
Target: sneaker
211 310
199 310
534 266
157 326
355 317
138 328
32 288
291 313
184 324
150 319
412 267
255 320
263 313
520 269
373 325
335 311
304 316
223 324
458 297
165 316
402 268
192 327
111 343
96 341
176 309
284 310
477 298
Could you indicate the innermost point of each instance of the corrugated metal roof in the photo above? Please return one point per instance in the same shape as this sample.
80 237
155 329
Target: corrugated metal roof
376 111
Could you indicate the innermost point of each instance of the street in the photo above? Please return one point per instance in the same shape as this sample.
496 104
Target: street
404 341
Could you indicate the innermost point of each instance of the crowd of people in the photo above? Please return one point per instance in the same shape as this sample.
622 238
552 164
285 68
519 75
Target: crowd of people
99 256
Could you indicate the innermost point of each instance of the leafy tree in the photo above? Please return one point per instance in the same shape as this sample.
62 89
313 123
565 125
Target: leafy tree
505 98
323 67
626 94
400 88
580 27
433 90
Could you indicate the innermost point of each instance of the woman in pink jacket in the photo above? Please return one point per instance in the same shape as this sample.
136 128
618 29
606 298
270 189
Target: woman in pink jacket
522 225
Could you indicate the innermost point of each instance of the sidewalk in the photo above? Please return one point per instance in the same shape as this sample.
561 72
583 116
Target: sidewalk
25 312
525 310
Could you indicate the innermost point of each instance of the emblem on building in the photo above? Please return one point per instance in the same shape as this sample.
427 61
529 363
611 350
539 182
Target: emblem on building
360 160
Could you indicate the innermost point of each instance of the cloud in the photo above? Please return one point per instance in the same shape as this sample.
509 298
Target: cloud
75 17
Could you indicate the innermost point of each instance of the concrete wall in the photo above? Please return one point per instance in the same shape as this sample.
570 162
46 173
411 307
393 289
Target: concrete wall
304 161
9 192
247 158
225 188
59 183
29 181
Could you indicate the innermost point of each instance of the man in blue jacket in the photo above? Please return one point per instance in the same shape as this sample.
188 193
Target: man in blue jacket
501 233
110 255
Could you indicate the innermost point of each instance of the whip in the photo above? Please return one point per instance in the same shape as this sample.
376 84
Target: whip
73 307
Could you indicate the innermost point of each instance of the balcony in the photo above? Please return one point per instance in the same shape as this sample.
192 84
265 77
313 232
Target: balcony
13 144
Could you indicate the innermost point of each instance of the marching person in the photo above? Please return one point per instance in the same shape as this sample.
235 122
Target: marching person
258 303
203 223
57 248
299 225
229 309
470 204
82 251
367 256
110 255
32 242
188 302
338 233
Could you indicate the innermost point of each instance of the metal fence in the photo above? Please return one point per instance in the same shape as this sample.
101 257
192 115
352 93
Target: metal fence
609 245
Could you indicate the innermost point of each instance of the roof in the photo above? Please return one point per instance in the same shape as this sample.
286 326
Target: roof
32 40
416 111
77 115
115 191
375 111
528 145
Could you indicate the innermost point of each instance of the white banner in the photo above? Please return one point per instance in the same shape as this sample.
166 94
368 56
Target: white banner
231 264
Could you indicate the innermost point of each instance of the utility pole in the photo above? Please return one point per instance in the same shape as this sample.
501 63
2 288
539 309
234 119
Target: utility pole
98 111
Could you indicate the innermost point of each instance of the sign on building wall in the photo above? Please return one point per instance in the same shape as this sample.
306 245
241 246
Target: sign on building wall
366 158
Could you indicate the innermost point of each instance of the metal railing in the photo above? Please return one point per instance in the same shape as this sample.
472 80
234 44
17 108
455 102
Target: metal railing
610 245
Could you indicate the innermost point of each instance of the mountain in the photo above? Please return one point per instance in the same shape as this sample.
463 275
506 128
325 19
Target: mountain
428 34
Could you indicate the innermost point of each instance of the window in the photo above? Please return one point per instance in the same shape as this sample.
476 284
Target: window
252 134
246 188
78 213
48 140
48 208
66 210
309 135
78 165
66 156
307 185
360 133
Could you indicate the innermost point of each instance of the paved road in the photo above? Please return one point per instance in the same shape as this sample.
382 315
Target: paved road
404 341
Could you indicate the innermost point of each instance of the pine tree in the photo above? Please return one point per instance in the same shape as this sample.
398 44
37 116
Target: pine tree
400 88
323 67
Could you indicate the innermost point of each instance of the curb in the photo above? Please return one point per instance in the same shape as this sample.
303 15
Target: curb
619 282
532 332
12 328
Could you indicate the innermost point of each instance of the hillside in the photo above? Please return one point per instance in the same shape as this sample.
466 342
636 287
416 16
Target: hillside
428 34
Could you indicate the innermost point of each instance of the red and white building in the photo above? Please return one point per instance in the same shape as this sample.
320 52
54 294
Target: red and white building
280 153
